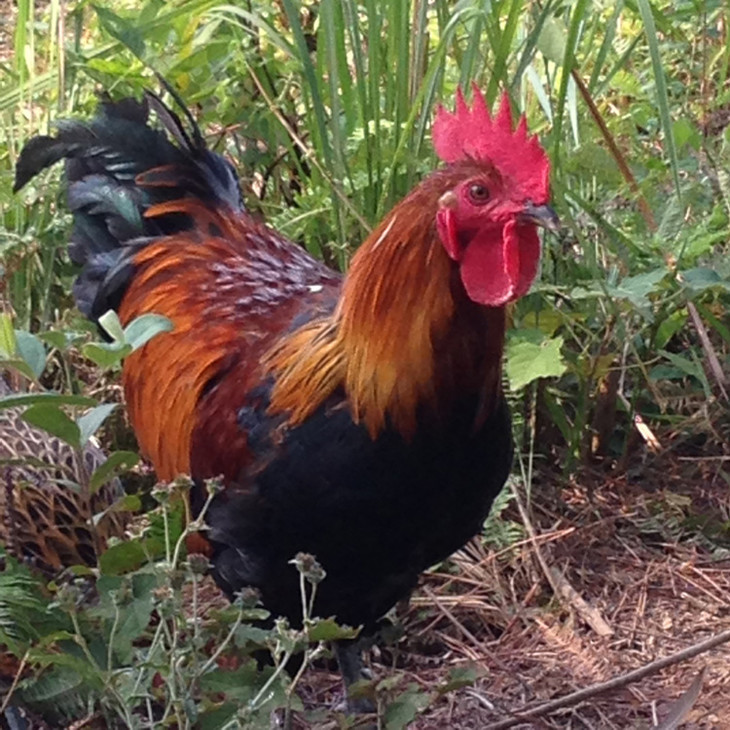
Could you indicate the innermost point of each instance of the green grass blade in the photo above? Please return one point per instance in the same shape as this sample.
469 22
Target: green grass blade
662 97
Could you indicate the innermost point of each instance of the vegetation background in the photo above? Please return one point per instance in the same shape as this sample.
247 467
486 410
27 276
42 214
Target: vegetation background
620 354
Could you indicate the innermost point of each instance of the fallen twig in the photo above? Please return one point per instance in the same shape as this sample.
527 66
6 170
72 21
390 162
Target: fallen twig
617 682
590 614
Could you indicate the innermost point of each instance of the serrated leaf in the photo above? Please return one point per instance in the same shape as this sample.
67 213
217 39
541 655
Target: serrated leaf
247 634
329 630
636 289
117 462
142 329
529 360
90 422
56 421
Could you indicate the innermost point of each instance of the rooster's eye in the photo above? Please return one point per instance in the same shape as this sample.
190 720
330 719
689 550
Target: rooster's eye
478 193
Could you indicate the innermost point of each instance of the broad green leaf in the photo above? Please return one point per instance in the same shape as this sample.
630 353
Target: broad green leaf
685 133
109 322
21 366
31 349
122 558
552 40
220 717
530 357
142 329
405 708
637 288
56 421
91 420
104 354
701 278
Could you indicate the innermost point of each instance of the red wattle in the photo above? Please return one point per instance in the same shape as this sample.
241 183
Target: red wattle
498 270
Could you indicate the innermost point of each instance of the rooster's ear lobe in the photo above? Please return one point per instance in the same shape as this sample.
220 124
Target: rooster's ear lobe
446 227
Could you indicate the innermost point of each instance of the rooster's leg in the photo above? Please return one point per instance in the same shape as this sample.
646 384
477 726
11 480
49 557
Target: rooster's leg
349 658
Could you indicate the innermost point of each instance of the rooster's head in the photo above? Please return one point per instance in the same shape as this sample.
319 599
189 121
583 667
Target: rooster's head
487 220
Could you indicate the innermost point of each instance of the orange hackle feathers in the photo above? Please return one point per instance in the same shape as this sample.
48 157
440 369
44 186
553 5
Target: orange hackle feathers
472 133
171 280
393 341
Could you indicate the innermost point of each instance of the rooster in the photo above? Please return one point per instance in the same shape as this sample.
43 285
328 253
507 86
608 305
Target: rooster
358 418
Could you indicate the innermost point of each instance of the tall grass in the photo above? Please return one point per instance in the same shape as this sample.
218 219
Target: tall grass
327 107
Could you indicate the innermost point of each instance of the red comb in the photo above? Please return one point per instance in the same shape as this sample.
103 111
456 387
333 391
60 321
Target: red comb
472 133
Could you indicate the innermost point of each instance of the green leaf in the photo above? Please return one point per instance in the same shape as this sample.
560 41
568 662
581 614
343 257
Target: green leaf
405 708
701 278
59 339
106 354
31 349
53 399
135 609
122 558
117 462
637 288
689 367
142 329
531 355
90 422
552 39
460 677
56 421
247 635
686 133
671 223
125 31
109 322
329 630
218 718
660 86
8 345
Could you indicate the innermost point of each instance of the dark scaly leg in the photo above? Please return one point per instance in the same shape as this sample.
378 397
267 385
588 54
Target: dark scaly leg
349 658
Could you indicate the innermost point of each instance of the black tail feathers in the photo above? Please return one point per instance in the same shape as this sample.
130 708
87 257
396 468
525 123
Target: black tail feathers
117 166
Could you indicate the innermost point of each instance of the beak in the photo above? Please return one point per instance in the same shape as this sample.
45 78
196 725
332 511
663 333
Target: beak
540 215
